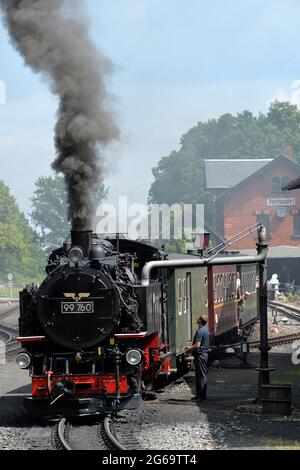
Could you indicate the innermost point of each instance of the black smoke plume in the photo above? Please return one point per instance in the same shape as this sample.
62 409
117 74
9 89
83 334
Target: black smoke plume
53 38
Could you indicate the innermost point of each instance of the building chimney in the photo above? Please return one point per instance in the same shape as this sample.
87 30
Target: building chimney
288 152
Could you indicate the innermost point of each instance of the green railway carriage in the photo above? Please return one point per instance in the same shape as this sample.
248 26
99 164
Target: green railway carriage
187 299
196 290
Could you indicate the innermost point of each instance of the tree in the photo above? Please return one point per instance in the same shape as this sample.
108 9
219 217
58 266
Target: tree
19 248
49 214
179 177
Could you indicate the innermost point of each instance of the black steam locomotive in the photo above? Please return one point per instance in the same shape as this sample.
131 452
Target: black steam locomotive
113 317
92 335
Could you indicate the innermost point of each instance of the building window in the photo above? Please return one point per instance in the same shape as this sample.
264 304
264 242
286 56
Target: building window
297 225
278 182
284 180
276 186
264 219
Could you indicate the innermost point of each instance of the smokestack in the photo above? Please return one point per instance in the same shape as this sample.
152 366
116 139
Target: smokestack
84 239
53 38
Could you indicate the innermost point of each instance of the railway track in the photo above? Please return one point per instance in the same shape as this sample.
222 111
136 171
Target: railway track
108 434
275 341
9 335
9 311
286 339
290 311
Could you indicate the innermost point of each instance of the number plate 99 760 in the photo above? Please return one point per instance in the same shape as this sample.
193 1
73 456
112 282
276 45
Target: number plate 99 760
77 307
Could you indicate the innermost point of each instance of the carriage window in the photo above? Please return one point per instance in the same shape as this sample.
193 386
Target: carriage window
184 295
253 281
215 289
218 289
232 285
221 287
188 305
179 297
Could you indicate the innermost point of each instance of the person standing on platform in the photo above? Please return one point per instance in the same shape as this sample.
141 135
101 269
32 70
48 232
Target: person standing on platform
200 353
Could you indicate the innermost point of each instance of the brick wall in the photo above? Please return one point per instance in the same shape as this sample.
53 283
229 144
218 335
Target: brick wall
241 206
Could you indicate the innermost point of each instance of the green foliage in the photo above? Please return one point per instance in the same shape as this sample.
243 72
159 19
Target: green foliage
19 249
49 214
293 297
175 246
179 177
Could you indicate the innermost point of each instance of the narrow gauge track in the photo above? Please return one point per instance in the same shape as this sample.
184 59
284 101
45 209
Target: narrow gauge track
7 334
108 434
275 341
4 336
8 312
288 310
286 339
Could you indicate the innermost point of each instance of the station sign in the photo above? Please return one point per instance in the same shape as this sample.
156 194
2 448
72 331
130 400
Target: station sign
281 201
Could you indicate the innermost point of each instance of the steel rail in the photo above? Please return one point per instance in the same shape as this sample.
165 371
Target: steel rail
109 439
286 339
61 429
112 439
288 310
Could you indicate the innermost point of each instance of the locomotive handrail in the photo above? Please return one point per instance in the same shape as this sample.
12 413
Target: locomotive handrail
262 250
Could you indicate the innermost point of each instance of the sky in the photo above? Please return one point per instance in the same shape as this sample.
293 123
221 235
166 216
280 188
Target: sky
176 63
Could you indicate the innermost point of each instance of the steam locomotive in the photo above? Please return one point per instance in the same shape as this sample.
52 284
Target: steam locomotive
95 338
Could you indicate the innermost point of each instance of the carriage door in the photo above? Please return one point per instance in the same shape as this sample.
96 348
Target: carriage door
188 304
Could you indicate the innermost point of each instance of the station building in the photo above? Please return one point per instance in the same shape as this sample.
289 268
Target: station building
249 191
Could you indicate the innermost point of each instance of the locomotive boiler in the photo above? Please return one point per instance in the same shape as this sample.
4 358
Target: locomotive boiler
92 335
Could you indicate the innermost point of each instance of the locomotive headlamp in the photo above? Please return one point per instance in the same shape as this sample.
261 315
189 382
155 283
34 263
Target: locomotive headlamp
23 360
76 254
133 357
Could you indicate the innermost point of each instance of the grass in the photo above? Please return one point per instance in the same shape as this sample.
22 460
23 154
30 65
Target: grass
291 376
5 292
281 382
281 444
